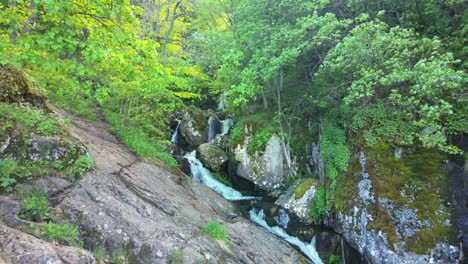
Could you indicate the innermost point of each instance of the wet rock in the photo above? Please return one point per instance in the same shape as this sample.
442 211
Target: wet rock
265 169
193 127
19 247
211 156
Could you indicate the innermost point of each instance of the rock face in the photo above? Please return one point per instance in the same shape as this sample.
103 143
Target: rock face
212 156
193 127
19 247
143 208
299 205
264 169
388 224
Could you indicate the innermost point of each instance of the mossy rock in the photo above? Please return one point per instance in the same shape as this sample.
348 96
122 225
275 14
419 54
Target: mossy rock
302 188
16 87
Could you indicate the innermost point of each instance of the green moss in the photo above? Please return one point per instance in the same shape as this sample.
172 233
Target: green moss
346 190
260 125
200 123
222 178
302 188
416 181
427 238
382 221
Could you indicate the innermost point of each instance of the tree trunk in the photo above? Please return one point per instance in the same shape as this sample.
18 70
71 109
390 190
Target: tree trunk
168 32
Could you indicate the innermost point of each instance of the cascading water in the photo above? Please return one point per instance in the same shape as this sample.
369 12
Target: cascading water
282 218
174 136
258 216
211 129
226 125
202 175
222 102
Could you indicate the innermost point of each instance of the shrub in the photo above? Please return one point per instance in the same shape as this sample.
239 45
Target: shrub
64 233
7 170
82 164
35 205
177 257
317 209
216 230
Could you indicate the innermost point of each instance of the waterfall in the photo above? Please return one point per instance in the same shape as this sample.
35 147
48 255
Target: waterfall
226 125
222 102
174 136
211 129
282 218
258 216
202 175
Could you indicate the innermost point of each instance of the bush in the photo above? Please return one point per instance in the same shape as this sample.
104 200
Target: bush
216 230
82 164
64 233
318 208
35 205
7 170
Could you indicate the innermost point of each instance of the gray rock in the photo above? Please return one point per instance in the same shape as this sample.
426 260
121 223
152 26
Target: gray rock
143 208
19 247
193 128
211 156
299 207
265 169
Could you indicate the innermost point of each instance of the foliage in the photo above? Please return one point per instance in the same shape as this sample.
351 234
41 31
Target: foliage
29 120
177 257
7 170
99 253
64 233
334 259
35 205
334 151
216 230
412 76
77 167
119 256
318 207
139 142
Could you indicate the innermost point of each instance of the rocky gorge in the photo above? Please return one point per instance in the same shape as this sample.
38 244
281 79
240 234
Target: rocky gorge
139 211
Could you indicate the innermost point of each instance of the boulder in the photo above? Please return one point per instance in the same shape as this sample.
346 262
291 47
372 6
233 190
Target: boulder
298 198
212 156
16 87
265 169
19 247
193 127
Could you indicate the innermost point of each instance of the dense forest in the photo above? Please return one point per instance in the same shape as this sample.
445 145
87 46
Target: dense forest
346 75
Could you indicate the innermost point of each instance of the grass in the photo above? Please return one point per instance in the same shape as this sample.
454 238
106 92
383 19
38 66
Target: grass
29 120
119 256
65 233
138 141
99 253
216 230
177 257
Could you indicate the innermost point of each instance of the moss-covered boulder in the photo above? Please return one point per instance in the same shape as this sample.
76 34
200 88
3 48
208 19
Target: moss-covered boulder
298 198
193 126
16 87
212 156
392 206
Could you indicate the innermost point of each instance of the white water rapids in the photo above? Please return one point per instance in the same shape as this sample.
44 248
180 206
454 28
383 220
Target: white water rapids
258 216
202 175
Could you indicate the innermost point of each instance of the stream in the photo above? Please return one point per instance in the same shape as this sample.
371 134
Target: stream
203 176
